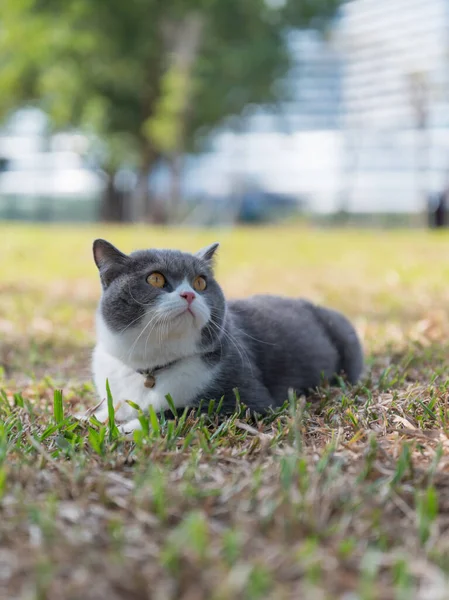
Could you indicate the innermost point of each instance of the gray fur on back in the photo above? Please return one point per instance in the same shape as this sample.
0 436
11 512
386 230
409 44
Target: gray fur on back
281 343
262 345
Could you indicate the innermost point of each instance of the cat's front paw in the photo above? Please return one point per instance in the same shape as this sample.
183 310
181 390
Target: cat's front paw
127 429
123 412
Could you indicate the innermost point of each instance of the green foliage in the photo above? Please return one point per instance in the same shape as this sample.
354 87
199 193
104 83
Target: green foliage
106 66
163 129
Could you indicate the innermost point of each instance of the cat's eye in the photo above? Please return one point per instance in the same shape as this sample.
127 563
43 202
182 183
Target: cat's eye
200 284
156 280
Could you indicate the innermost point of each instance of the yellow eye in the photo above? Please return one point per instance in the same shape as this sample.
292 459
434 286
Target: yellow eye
156 280
200 284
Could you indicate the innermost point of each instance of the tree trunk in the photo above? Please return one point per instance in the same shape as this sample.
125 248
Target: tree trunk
143 207
183 41
139 199
176 164
112 202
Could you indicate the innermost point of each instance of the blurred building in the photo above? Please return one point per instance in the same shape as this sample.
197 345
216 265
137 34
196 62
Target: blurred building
395 117
43 176
367 128
294 149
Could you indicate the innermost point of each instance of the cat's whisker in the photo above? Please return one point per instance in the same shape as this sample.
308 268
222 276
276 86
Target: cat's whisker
255 339
218 338
213 312
152 321
163 325
241 351
135 299
129 324
148 337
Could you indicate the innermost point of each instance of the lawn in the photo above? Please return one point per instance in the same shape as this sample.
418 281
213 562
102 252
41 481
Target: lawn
344 494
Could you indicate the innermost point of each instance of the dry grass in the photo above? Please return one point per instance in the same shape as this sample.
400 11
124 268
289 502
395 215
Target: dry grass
342 495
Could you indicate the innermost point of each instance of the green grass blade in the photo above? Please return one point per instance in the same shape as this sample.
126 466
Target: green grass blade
58 408
155 426
171 405
113 431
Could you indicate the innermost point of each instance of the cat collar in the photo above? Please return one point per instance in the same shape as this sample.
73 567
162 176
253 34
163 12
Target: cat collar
150 374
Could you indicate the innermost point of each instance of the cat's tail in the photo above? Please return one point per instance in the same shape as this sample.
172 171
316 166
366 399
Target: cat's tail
344 338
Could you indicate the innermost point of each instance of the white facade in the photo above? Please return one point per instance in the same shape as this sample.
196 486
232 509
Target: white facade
367 128
395 102
389 46
296 149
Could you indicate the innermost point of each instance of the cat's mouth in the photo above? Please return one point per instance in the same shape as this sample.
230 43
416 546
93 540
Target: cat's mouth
188 311
185 311
182 316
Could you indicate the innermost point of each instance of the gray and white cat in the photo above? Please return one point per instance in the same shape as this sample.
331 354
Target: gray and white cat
165 327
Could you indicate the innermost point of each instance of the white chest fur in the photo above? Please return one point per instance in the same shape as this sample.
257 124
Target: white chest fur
184 381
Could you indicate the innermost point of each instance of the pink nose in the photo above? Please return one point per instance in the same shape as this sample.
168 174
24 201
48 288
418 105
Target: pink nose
189 296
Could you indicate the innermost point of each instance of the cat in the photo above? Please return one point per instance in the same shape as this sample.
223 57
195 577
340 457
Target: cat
165 327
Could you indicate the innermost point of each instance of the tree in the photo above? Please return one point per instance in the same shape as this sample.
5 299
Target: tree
144 77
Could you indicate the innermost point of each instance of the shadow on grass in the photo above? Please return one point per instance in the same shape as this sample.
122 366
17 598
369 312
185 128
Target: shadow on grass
40 357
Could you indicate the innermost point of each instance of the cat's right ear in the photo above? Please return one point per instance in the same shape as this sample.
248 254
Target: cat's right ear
207 253
109 260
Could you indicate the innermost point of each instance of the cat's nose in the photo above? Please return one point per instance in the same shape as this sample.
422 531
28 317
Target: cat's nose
189 296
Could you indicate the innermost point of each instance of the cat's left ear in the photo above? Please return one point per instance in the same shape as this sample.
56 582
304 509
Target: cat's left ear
109 260
208 252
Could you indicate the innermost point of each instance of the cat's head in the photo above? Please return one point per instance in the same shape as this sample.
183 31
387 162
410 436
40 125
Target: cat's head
158 301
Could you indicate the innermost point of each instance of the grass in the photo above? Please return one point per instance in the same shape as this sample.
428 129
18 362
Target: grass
344 494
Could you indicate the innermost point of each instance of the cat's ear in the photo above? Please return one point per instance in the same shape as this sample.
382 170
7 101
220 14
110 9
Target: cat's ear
109 260
208 252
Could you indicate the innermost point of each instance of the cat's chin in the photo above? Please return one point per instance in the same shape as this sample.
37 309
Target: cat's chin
186 313
180 325
185 319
